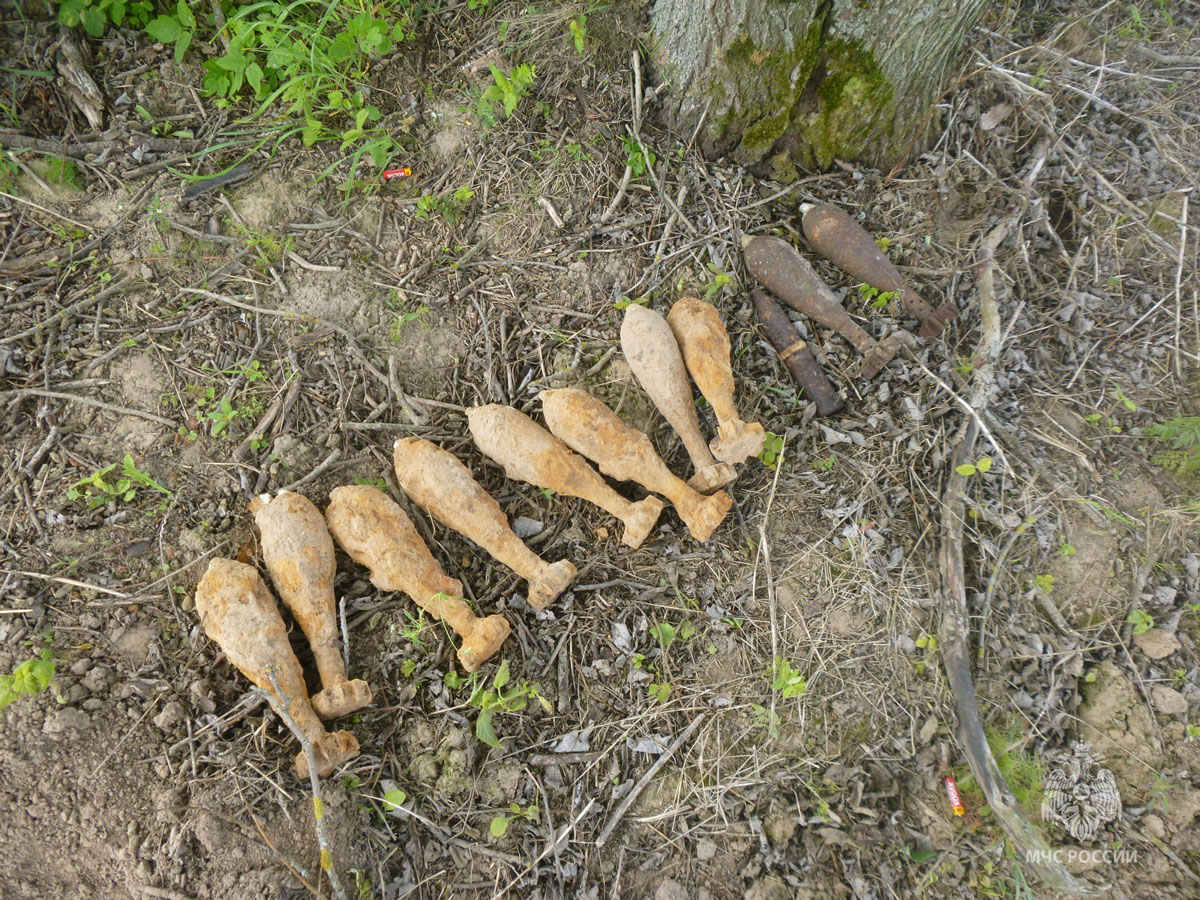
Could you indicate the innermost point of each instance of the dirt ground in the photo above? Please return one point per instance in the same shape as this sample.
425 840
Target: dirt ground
280 334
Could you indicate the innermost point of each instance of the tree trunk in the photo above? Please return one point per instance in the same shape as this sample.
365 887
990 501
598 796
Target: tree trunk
775 84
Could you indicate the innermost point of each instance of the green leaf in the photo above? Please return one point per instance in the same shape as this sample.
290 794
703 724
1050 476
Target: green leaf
984 464
94 21
184 12
164 28
484 730
394 799
502 676
499 826
254 75
966 469
917 855
69 12
664 633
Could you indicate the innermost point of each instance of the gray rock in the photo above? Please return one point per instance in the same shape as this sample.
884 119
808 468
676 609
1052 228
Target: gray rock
172 714
65 721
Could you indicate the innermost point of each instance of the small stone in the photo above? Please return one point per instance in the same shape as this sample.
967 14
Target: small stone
172 714
97 679
1168 701
705 849
1155 826
780 827
1156 643
906 645
65 721
769 888
671 889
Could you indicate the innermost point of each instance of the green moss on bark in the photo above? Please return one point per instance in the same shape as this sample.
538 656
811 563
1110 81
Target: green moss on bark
806 104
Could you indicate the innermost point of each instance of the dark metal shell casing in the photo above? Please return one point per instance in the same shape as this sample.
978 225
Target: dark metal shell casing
841 240
795 353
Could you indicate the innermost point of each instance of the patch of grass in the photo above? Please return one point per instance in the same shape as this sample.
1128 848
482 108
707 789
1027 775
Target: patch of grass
63 172
1022 771
1182 433
308 56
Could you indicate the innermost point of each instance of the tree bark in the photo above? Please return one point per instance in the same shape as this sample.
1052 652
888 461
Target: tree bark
780 84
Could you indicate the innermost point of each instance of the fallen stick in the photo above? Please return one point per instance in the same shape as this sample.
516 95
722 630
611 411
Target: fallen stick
280 703
954 629
615 819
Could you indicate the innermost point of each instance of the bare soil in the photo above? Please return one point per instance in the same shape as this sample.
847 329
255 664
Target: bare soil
333 324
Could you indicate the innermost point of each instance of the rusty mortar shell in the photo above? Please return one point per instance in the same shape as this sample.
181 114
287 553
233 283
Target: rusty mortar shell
780 268
840 239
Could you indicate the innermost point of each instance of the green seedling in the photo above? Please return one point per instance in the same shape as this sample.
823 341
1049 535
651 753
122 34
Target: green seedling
1142 621
638 162
771 450
1067 549
766 720
402 319
1044 582
578 28
507 90
449 208
666 634
1106 420
1193 732
31 677
719 282
626 302
877 298
981 465
502 698
99 487
785 680
659 691
499 825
